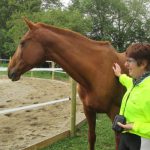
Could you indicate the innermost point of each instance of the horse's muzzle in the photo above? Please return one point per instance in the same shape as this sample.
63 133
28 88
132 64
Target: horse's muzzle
13 76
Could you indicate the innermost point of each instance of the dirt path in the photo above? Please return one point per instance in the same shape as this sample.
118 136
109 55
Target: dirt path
21 129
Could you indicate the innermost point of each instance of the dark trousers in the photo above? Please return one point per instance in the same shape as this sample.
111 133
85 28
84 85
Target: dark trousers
129 141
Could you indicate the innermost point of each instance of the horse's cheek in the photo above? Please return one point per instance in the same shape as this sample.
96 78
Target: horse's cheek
33 55
39 55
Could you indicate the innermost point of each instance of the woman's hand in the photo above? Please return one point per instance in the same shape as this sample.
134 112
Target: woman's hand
117 69
128 126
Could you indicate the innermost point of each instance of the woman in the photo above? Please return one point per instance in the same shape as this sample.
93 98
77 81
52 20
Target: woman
136 102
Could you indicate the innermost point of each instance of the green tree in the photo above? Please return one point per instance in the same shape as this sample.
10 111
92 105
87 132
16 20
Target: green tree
11 25
48 4
5 14
9 8
119 21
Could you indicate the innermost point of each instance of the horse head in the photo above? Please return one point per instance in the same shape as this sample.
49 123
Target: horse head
29 53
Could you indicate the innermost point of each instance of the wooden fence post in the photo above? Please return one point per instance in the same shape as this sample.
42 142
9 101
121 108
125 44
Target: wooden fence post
73 107
53 72
31 73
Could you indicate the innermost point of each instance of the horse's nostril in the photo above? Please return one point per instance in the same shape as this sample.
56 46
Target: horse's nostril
11 75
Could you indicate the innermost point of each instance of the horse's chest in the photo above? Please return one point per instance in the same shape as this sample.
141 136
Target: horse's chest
95 102
98 100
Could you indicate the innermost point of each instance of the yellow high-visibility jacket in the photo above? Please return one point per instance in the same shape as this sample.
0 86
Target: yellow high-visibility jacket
137 110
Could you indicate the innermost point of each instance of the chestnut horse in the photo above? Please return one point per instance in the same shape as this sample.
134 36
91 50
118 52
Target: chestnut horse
87 61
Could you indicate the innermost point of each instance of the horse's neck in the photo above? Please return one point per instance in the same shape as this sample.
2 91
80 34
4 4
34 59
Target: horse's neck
122 59
78 56
69 53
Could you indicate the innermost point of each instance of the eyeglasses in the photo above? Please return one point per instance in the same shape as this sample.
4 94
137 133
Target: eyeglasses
130 60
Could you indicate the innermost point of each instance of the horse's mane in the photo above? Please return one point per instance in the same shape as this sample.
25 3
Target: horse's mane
71 33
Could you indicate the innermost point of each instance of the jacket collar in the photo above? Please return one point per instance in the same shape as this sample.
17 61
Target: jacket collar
140 79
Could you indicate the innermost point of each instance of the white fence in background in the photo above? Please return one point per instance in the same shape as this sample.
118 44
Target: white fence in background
6 111
59 70
37 69
7 60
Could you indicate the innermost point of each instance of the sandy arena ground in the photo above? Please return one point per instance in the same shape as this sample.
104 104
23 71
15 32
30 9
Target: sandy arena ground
21 129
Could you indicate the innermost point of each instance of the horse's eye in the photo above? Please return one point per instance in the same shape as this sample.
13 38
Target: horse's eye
22 43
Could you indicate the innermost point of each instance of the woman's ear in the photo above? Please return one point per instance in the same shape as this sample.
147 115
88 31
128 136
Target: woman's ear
144 64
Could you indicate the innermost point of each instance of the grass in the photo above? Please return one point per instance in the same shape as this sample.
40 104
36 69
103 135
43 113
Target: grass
3 64
47 75
105 137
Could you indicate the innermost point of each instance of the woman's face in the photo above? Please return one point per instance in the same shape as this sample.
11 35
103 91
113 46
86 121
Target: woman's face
135 71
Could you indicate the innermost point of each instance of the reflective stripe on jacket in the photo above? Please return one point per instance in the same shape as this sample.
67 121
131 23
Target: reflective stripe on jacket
137 109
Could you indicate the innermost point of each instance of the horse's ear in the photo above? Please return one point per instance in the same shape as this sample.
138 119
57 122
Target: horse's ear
30 24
